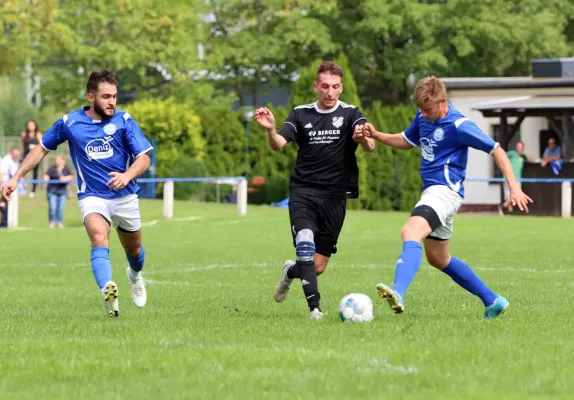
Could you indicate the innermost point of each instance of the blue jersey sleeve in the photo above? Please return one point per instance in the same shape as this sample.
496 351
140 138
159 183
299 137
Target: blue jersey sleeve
55 136
135 139
411 134
472 136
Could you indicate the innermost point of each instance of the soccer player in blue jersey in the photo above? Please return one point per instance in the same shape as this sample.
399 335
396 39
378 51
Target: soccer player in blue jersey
109 151
444 136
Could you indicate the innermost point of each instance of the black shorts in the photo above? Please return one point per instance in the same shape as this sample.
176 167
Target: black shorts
323 215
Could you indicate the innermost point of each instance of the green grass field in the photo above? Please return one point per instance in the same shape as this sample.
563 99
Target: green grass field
211 329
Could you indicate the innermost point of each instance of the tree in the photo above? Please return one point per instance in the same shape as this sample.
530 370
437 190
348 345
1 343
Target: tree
389 41
21 30
255 41
386 42
69 39
392 175
477 41
175 127
15 111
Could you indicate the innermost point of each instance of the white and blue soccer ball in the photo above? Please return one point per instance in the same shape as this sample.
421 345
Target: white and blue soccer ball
356 307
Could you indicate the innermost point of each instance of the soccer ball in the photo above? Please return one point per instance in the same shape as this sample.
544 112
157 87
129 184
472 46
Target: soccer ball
356 307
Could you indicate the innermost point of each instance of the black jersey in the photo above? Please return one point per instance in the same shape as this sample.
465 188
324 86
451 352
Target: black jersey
326 163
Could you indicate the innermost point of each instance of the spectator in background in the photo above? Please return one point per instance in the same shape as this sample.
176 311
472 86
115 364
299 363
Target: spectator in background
10 164
8 167
57 192
552 153
517 159
30 138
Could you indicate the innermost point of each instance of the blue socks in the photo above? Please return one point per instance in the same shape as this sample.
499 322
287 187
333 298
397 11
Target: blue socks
137 262
410 261
463 275
408 264
101 265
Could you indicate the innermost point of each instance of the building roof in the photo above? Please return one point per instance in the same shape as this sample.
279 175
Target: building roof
549 106
529 103
506 83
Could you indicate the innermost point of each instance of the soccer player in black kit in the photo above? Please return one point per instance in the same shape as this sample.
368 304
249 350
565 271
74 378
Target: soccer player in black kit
328 133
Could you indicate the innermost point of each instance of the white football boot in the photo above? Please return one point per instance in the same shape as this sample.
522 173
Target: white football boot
137 288
110 294
282 288
317 314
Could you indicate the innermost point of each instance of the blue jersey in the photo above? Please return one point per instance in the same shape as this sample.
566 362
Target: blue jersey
444 144
98 147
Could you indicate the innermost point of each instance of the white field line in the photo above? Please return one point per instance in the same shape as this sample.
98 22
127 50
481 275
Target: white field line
206 267
146 224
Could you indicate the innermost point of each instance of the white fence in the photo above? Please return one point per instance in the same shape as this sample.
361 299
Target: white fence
239 184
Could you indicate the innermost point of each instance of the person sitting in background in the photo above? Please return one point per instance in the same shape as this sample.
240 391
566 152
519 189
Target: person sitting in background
10 164
552 153
57 192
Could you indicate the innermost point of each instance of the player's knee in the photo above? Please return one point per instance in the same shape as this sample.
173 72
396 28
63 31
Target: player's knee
133 249
419 228
412 233
321 264
305 245
405 233
99 239
134 244
438 259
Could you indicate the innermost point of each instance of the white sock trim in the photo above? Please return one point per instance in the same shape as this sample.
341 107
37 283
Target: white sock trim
133 274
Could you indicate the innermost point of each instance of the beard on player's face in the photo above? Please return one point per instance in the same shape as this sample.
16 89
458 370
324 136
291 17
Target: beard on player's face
105 110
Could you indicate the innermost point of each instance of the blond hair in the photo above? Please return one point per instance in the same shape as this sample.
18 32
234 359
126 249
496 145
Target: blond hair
429 90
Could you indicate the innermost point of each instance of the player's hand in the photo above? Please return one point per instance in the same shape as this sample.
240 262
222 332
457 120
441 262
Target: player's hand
119 181
369 130
358 134
519 199
265 118
8 188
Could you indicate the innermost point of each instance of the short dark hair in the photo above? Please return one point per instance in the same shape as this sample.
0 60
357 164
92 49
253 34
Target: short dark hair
329 67
98 77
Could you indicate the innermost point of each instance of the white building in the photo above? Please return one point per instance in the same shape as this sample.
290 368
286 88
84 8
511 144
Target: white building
534 107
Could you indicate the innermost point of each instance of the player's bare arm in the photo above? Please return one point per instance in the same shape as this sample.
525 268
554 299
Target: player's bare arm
32 159
266 119
396 140
367 143
120 180
517 196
